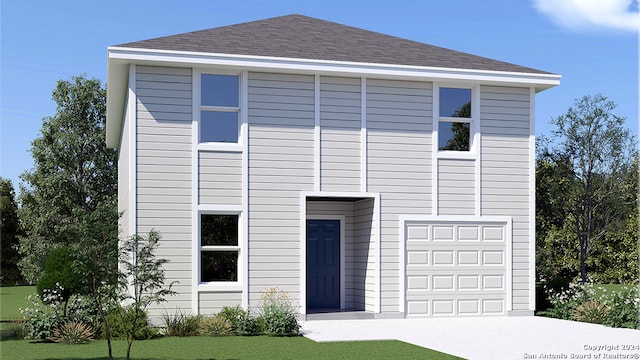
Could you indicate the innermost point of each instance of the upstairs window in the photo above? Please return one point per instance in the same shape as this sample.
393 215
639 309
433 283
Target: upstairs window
219 248
454 121
219 108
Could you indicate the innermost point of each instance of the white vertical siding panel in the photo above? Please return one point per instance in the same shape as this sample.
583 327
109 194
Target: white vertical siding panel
506 154
340 145
220 178
164 170
399 125
456 187
281 164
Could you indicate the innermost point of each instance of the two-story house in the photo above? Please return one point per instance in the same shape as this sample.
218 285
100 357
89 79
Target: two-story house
354 170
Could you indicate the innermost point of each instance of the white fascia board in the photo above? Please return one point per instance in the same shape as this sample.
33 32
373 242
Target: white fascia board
541 81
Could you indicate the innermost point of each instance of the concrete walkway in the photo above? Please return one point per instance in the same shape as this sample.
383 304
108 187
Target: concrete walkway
489 338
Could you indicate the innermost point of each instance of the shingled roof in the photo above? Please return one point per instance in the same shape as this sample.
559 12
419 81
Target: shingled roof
303 37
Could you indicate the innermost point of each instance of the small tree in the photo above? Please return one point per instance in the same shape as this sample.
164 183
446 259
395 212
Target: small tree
599 151
97 260
142 280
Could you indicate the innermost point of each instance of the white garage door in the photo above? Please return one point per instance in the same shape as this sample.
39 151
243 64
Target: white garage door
456 269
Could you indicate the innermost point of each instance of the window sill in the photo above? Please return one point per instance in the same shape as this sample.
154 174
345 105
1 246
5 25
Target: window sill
468 155
221 147
219 287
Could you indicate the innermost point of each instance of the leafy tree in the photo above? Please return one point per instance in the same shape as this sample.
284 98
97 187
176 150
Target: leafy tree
74 173
594 155
141 280
460 130
9 231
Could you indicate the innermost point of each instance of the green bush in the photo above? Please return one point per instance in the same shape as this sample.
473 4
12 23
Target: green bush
277 314
59 274
181 324
624 308
121 320
581 302
216 326
233 315
247 325
47 312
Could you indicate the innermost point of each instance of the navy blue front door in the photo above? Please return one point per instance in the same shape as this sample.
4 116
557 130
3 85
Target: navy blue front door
323 264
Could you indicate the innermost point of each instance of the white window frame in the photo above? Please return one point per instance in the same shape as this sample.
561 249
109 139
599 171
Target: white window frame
221 285
197 96
474 121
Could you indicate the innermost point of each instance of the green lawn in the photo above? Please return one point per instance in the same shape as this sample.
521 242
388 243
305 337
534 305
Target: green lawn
12 299
609 288
232 347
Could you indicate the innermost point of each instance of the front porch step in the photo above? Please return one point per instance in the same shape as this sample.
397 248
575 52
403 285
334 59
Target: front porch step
341 315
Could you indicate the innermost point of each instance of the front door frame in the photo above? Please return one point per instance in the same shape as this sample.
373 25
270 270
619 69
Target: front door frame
375 224
341 219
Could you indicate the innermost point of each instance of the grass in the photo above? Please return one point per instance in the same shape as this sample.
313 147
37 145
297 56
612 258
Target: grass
12 299
611 288
232 347
201 347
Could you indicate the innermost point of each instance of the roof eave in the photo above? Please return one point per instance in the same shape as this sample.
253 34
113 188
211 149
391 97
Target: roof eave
117 84
121 57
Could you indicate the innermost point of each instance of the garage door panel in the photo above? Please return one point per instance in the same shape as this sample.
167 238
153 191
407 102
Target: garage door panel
442 257
417 257
456 269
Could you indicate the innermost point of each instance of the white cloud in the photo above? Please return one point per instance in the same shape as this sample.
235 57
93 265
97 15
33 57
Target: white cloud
584 14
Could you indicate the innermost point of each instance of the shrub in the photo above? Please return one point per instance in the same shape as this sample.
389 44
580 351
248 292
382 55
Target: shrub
580 302
59 275
248 325
181 324
624 308
72 332
121 320
48 311
277 314
216 326
565 302
592 312
233 315
15 330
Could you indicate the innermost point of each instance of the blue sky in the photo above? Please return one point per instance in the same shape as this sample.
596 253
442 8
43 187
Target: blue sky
593 44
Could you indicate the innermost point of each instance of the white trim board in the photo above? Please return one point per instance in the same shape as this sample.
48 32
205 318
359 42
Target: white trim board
304 195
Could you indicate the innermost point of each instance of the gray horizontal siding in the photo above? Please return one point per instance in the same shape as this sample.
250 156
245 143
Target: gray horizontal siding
164 171
399 125
220 178
210 303
456 187
340 140
281 159
504 113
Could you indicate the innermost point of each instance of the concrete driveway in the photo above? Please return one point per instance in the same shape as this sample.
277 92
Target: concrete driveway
526 337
